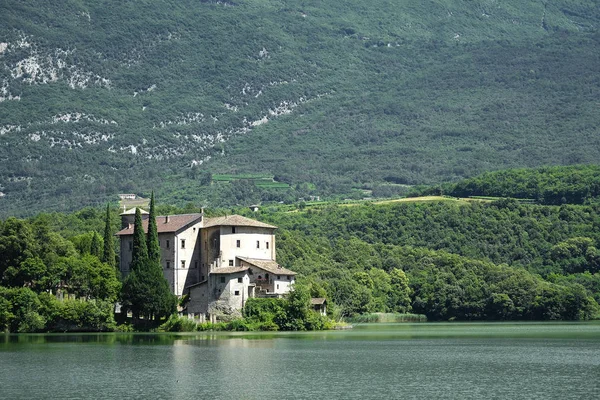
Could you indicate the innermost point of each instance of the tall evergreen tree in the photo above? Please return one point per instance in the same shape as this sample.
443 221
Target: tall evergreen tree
95 245
146 291
108 255
139 256
153 245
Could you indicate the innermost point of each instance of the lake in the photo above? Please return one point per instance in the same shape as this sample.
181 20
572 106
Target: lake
371 361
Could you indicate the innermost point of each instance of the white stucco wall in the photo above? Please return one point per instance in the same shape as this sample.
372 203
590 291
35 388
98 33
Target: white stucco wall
282 285
186 259
167 256
254 243
228 288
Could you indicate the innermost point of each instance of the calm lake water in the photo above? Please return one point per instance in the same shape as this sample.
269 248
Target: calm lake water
372 361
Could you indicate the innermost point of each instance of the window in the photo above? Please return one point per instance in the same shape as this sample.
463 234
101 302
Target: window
238 244
202 280
168 264
231 263
289 278
250 272
168 244
130 245
195 264
240 280
236 293
233 229
183 243
267 243
222 279
205 245
258 244
278 276
183 264
277 287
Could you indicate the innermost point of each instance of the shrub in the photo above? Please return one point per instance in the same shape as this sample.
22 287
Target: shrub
176 323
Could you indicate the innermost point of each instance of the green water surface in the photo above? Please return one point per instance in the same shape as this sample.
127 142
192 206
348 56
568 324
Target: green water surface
371 361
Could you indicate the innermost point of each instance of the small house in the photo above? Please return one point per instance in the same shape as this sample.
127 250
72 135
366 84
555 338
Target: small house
319 304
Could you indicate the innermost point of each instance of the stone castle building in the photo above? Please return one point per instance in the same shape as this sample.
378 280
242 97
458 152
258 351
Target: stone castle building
219 262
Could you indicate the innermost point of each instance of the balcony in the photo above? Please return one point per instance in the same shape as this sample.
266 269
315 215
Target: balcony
264 286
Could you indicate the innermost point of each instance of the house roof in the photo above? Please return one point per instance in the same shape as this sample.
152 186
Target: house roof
229 270
165 224
318 301
235 220
268 265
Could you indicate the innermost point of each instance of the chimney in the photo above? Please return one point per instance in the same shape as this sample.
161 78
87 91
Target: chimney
166 219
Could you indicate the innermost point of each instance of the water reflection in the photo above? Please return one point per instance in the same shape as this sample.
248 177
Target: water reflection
480 360
582 330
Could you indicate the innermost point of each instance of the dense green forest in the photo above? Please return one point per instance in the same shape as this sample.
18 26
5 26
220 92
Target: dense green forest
548 185
448 260
463 260
328 97
49 283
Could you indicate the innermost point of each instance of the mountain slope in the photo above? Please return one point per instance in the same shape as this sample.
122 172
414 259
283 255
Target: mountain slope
98 98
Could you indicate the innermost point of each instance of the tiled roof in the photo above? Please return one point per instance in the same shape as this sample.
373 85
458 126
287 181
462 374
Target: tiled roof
235 220
229 270
171 223
268 265
318 300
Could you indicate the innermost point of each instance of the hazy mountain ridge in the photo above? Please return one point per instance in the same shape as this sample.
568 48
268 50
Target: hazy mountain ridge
98 97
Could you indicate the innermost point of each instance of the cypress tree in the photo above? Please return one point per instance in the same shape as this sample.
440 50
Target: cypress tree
146 291
139 255
95 245
153 245
108 254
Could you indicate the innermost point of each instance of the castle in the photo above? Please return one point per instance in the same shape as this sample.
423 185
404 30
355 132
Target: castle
218 262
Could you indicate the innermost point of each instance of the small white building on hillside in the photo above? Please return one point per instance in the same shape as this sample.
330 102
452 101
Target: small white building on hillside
219 262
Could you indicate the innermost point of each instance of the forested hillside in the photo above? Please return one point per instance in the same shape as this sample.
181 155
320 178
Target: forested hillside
101 97
549 185
498 260
448 260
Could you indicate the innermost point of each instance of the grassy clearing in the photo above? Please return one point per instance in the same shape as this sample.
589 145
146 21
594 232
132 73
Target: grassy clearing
418 199
139 202
272 185
264 181
316 205
250 177
494 198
